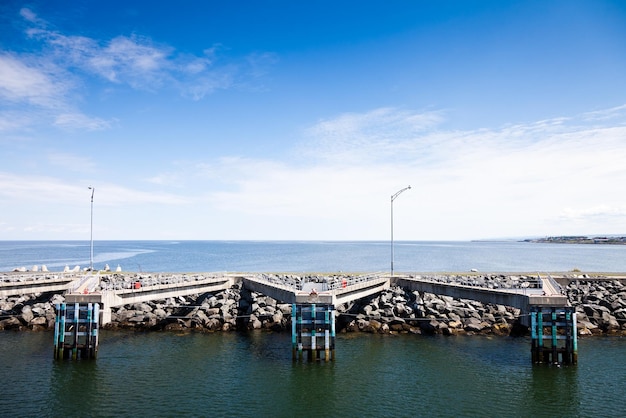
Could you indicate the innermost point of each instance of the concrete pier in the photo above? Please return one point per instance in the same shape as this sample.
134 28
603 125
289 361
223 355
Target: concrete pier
538 298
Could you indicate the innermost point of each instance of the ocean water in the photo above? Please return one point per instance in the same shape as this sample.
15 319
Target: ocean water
313 256
251 374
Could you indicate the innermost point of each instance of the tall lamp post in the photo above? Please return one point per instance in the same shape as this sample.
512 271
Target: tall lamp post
393 197
93 189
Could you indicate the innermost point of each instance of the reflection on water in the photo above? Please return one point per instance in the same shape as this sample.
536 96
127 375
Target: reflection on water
553 391
74 386
251 374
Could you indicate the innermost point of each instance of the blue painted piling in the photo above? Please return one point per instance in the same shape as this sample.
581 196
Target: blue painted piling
313 331
554 338
95 320
76 331
574 339
313 350
294 337
540 335
62 330
533 336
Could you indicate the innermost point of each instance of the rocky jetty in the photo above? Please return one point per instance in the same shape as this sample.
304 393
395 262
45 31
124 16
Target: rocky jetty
600 304
35 312
228 310
398 310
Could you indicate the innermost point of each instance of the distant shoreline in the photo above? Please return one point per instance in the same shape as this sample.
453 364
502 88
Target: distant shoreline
580 240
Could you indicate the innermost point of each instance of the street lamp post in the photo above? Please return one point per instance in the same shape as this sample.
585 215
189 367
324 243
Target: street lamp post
93 189
393 197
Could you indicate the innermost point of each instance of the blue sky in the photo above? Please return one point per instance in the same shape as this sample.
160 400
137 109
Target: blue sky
299 120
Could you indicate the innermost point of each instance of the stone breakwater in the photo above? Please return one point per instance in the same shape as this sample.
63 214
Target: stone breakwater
600 303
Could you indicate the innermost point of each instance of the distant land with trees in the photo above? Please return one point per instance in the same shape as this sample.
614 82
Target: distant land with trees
614 240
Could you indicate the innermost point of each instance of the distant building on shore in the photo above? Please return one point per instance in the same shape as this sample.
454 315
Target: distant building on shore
580 240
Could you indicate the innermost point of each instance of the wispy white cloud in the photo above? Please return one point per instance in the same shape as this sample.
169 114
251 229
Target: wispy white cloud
261 63
375 135
55 228
131 60
143 64
51 189
34 188
71 162
606 114
587 219
545 178
35 84
36 91
46 81
206 83
6 227
80 121
511 181
394 136
51 80
14 121
602 212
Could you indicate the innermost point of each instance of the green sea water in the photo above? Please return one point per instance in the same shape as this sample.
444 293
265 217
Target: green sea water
252 375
